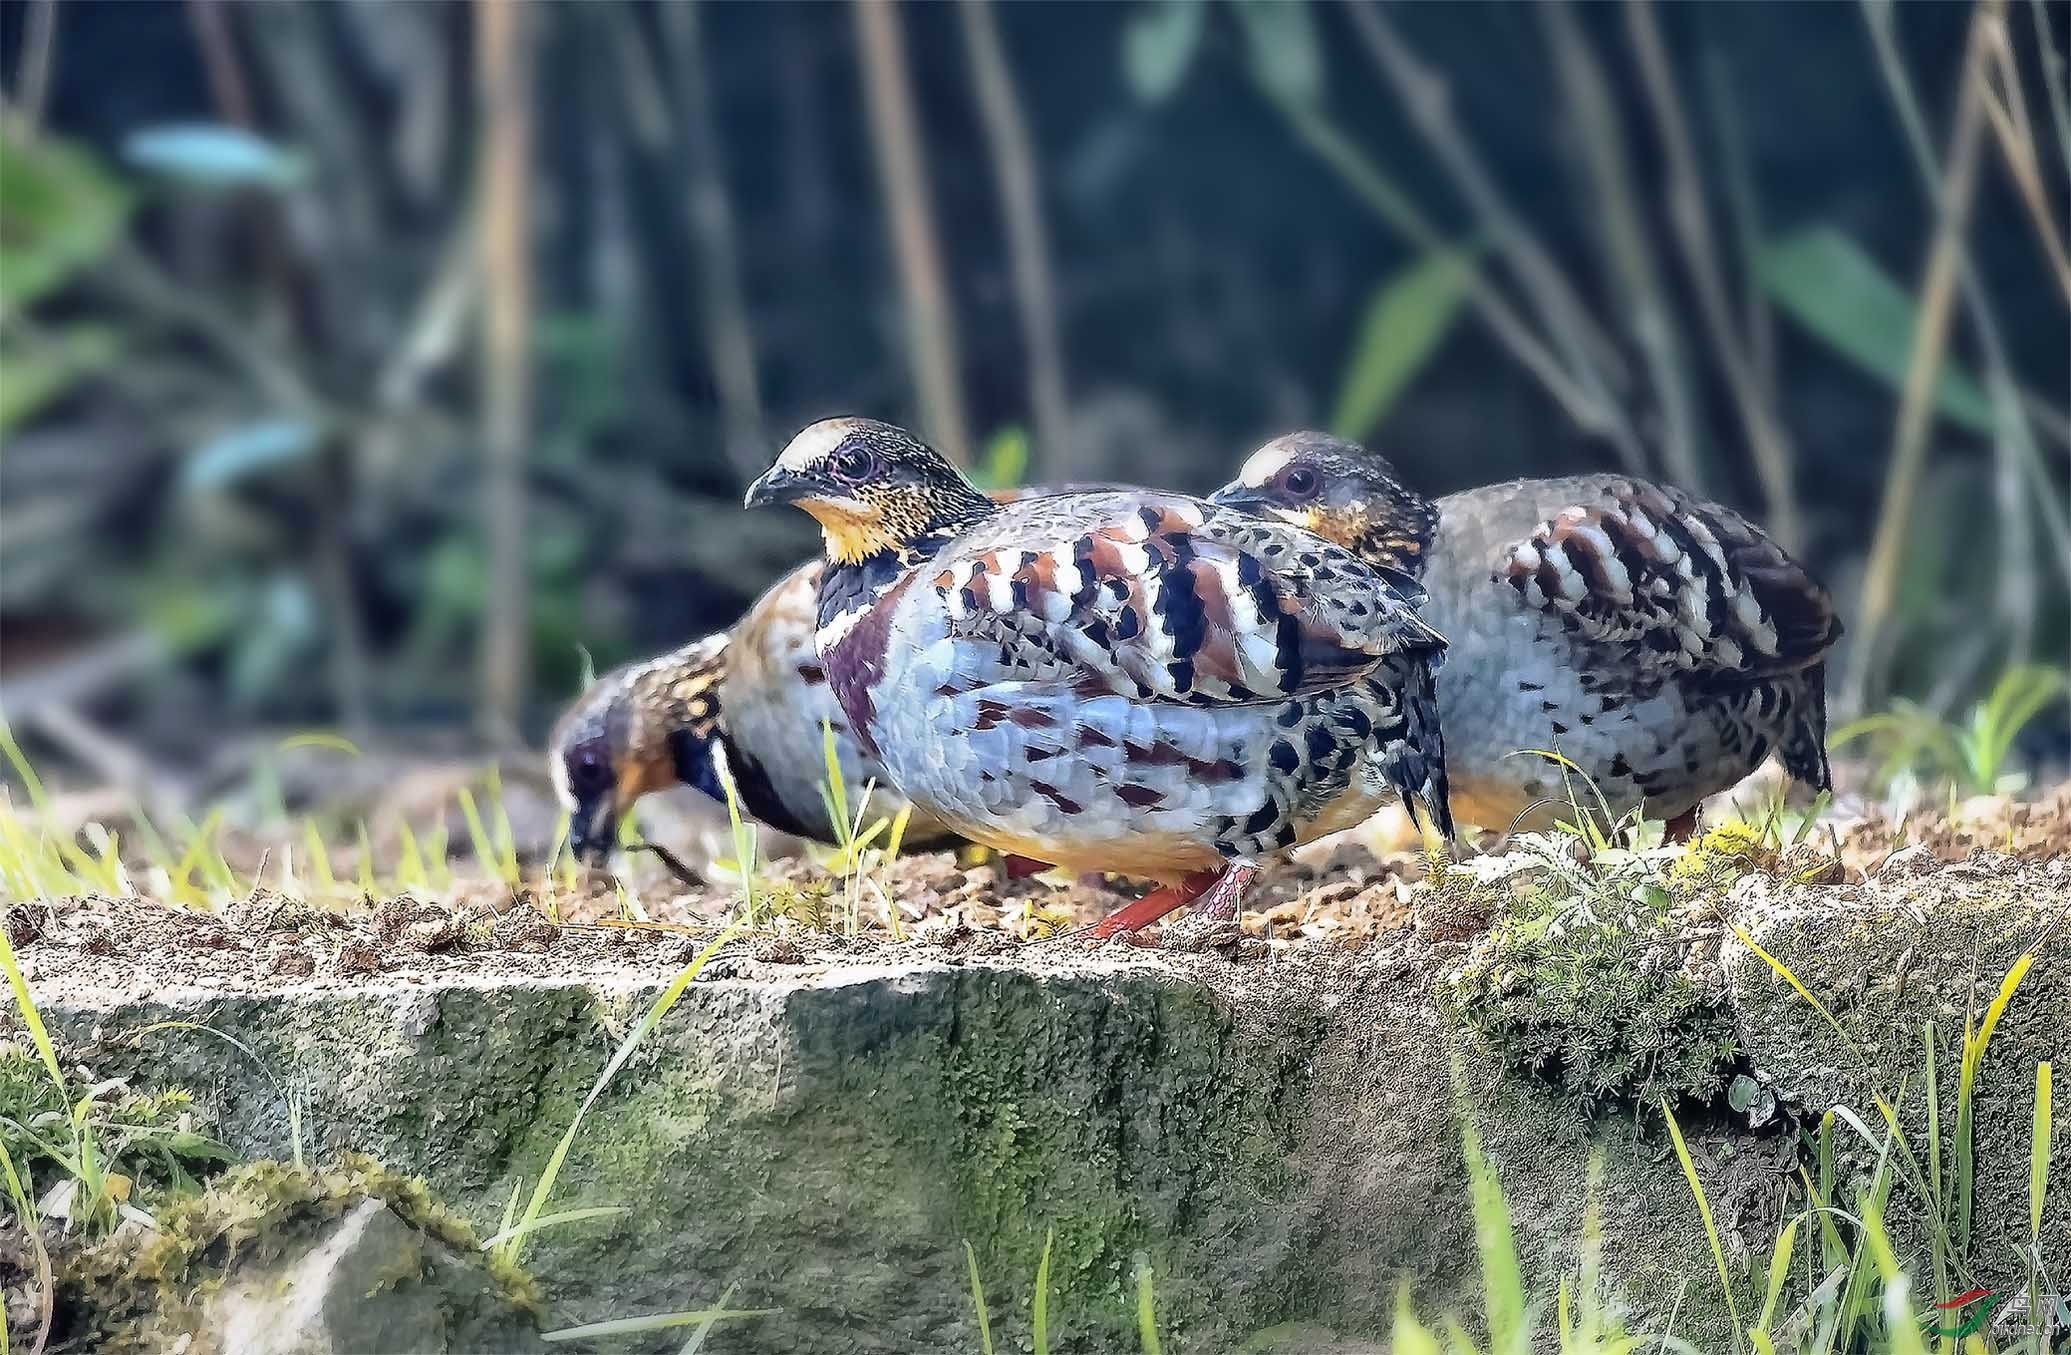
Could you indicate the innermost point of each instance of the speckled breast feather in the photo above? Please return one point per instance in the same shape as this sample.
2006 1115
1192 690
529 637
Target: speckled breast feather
1145 683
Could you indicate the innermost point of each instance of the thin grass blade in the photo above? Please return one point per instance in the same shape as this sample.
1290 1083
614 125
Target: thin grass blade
652 1018
696 1342
978 1301
1502 1281
1040 1319
1711 1227
2038 1153
510 1231
1409 1336
632 1326
1974 1047
1146 1310
31 1018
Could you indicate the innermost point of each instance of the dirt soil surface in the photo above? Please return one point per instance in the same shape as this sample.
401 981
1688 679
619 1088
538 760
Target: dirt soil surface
1342 897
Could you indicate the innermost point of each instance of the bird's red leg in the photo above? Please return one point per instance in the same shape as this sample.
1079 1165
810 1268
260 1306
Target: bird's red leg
1682 827
1213 918
1021 867
1154 905
1219 903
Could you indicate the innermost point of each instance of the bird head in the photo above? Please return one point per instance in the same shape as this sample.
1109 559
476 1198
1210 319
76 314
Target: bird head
637 729
1341 492
872 487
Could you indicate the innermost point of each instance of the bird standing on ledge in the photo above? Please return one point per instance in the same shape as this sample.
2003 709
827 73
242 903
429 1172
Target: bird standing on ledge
1130 681
1664 645
759 693
755 695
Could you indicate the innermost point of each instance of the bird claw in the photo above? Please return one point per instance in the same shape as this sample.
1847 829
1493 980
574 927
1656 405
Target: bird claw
1194 935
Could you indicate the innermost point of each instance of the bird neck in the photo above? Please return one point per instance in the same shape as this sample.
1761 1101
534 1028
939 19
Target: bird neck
697 765
1396 534
850 587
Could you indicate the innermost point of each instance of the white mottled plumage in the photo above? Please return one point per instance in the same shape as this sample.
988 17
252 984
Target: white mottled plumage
1662 644
1045 737
1126 681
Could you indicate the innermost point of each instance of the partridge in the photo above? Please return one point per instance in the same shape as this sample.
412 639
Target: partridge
1128 681
1663 645
755 696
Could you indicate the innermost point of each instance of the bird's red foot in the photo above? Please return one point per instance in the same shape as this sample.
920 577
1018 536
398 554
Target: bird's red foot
1214 919
1021 867
1682 827
1214 893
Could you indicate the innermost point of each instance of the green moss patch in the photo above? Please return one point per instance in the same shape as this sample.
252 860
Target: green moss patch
141 1292
1580 982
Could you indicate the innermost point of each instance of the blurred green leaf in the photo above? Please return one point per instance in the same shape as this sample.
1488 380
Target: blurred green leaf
268 644
1158 46
1408 317
210 155
35 373
247 449
1286 55
1004 462
188 613
59 212
1830 285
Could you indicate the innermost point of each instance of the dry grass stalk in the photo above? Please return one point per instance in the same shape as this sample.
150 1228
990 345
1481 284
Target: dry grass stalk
504 86
2007 107
1586 407
903 181
1627 238
2022 480
32 70
1591 361
1774 461
1028 243
728 335
1930 341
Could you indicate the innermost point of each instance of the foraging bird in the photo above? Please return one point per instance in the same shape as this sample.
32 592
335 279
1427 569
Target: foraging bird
755 696
1663 644
1131 681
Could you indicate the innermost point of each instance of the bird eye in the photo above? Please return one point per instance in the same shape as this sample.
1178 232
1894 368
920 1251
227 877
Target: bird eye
1299 482
589 771
852 463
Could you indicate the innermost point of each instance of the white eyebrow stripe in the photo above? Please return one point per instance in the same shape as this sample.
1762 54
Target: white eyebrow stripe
813 442
1265 463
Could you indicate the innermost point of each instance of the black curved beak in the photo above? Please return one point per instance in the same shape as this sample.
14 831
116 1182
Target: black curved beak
593 832
1243 497
779 485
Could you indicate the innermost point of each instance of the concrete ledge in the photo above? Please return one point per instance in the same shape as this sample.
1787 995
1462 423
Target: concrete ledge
1280 1137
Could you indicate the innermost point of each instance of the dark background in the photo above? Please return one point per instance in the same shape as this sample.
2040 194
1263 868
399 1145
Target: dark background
250 462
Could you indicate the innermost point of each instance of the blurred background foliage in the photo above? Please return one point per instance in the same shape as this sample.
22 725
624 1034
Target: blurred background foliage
363 365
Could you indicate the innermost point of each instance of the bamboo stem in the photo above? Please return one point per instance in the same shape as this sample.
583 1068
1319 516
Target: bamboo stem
1775 463
903 183
1930 338
1028 244
728 334
503 75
